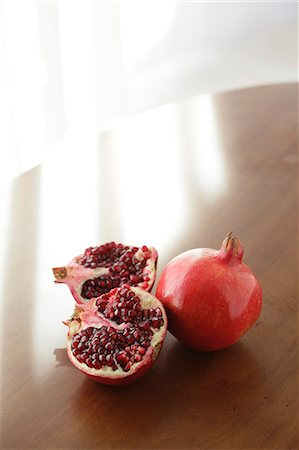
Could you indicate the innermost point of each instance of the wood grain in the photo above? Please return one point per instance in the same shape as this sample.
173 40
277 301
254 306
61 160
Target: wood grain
200 168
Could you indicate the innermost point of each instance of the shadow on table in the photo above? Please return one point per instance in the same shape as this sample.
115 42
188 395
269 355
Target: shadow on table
61 357
185 388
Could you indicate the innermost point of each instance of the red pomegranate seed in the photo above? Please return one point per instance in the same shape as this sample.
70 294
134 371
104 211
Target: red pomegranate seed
135 278
128 366
145 313
130 339
122 356
88 362
141 350
132 314
156 322
144 326
137 335
109 360
96 364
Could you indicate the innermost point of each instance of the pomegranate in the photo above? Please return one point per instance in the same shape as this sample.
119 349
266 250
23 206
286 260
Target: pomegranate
211 297
103 268
116 338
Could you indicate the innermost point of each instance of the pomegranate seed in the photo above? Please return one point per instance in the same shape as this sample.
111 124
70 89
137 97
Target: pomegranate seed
113 335
122 356
156 322
124 273
137 335
109 360
109 346
123 312
137 307
126 332
135 278
145 313
130 339
151 312
132 314
120 304
144 326
127 367
141 350
97 365
88 362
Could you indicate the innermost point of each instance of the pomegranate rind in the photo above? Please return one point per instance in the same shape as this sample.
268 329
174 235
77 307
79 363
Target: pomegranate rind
75 275
87 315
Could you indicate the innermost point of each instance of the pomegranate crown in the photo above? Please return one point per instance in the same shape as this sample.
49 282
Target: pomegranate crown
231 248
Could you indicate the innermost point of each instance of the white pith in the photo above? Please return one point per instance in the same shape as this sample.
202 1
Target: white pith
95 274
147 301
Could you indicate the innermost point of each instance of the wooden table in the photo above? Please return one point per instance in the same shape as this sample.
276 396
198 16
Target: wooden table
176 177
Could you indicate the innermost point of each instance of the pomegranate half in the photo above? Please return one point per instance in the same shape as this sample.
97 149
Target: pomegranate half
115 338
211 297
108 266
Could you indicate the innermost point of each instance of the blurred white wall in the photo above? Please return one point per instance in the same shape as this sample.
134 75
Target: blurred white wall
67 67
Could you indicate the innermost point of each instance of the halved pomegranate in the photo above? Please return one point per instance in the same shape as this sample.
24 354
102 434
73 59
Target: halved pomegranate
116 338
103 268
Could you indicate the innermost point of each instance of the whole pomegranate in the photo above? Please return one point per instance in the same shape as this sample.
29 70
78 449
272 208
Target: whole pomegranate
103 268
211 297
115 338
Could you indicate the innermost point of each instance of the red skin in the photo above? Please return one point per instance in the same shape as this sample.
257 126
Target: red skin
211 298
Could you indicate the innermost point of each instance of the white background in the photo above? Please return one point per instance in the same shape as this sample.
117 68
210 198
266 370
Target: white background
69 67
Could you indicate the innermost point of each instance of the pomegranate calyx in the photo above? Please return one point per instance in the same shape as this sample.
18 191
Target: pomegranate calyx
231 249
60 273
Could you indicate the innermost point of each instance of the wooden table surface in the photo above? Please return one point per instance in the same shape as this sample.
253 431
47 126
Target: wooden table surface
176 177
